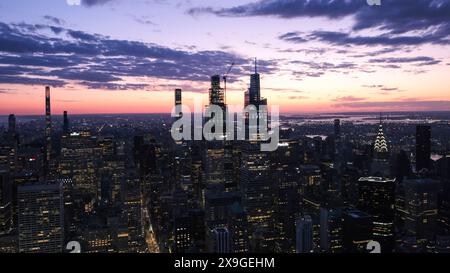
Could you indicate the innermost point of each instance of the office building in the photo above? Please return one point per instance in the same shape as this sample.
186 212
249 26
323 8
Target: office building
423 147
304 235
357 230
6 222
65 124
220 240
377 198
421 208
41 218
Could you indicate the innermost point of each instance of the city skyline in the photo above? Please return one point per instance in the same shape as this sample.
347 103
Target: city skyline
115 57
127 184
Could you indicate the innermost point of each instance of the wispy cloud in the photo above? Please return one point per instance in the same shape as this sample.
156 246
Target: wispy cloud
420 61
145 20
29 56
6 91
393 16
91 3
349 99
55 20
398 105
382 88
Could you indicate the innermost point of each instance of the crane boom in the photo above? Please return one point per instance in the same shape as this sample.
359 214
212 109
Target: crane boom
225 79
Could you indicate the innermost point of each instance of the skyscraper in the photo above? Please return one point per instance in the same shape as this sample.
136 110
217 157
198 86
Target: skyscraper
338 148
178 97
258 190
48 128
331 230
216 93
423 147
182 234
178 110
253 97
380 146
380 164
377 198
357 230
40 212
12 124
5 202
304 234
221 240
255 87
178 103
421 208
337 127
65 123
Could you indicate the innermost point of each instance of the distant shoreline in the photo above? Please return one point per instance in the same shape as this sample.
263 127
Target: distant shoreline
387 113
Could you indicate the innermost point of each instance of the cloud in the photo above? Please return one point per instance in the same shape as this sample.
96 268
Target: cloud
91 59
349 99
144 20
30 81
398 105
285 9
91 3
73 2
116 86
384 89
346 39
394 16
84 75
6 91
284 90
294 37
83 36
401 22
420 61
54 20
297 97
315 69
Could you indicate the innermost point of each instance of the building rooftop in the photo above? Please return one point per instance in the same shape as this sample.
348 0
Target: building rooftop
376 179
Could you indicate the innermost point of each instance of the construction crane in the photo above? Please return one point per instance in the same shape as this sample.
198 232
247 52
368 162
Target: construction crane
225 79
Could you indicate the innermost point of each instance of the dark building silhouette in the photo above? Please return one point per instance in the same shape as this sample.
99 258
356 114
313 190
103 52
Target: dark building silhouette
402 166
5 202
65 123
304 235
48 129
12 124
421 208
178 97
331 230
423 147
337 127
357 230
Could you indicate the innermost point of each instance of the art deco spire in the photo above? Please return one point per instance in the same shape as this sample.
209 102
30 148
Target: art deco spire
380 142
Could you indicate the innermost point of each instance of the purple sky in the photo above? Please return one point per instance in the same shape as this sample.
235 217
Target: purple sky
315 56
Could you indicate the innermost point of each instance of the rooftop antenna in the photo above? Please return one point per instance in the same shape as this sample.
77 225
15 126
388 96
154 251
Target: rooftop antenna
256 66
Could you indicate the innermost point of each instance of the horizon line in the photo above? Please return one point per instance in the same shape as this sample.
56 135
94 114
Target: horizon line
281 113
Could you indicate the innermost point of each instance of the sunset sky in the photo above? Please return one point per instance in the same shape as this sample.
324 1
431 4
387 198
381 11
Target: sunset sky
122 56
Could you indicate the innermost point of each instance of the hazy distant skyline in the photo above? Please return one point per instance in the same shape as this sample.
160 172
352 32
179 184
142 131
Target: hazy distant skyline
117 56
